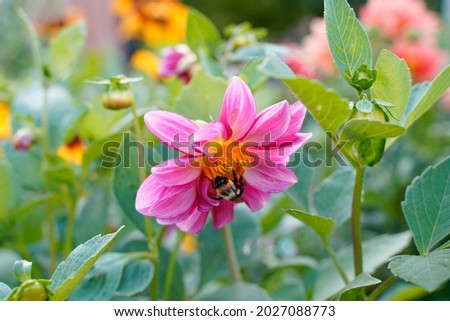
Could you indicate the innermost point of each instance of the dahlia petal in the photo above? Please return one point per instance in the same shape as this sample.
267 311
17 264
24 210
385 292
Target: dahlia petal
298 112
177 171
238 109
172 129
146 194
254 198
270 179
222 214
204 201
210 132
194 223
270 124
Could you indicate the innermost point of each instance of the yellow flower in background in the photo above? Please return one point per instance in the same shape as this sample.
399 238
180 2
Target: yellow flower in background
189 244
72 152
5 121
158 22
146 62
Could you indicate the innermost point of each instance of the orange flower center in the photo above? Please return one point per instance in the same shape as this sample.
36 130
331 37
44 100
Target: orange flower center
224 159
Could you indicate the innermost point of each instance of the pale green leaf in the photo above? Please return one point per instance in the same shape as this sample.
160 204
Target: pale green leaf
136 277
274 66
393 84
426 271
258 50
348 42
5 188
376 252
201 34
65 48
321 225
326 106
202 98
364 105
363 129
333 197
5 291
427 206
424 100
71 271
238 292
361 281
371 150
252 76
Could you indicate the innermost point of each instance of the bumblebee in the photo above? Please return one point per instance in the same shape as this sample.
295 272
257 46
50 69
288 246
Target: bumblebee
231 190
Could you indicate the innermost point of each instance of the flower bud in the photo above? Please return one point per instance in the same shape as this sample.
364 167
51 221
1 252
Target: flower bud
32 290
23 139
115 99
376 114
364 78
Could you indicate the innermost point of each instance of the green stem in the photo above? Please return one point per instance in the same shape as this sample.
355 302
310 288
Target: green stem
171 267
70 226
50 218
356 221
335 261
231 254
153 248
160 235
381 287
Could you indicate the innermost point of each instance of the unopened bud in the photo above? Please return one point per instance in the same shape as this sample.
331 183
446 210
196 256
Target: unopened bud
116 99
23 139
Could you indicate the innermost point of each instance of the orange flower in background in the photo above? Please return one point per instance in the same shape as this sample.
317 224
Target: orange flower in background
72 152
5 121
158 22
424 60
50 26
146 62
189 244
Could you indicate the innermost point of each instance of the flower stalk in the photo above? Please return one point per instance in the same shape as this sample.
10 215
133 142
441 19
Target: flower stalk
231 254
171 268
356 221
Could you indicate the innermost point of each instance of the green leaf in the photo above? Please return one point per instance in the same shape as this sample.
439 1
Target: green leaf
252 76
92 215
71 271
321 225
364 106
361 281
238 292
202 98
428 271
363 129
102 281
8 257
212 252
418 104
371 150
427 206
201 34
393 83
274 66
376 252
5 291
348 42
326 106
65 48
136 277
333 197
6 183
126 182
300 191
258 50
211 66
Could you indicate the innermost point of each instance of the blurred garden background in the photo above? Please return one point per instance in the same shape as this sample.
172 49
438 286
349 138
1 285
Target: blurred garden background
50 204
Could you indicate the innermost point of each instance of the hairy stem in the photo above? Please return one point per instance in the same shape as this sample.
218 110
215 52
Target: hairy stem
231 254
381 287
171 267
356 221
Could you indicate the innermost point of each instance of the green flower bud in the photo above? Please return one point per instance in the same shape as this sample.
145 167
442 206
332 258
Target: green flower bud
116 99
22 270
32 290
364 78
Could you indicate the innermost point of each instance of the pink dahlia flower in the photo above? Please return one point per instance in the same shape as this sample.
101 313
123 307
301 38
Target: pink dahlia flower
401 18
178 61
242 157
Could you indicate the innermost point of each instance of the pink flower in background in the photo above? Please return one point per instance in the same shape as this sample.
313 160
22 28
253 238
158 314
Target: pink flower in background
242 157
315 51
23 139
424 60
178 61
400 18
296 61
